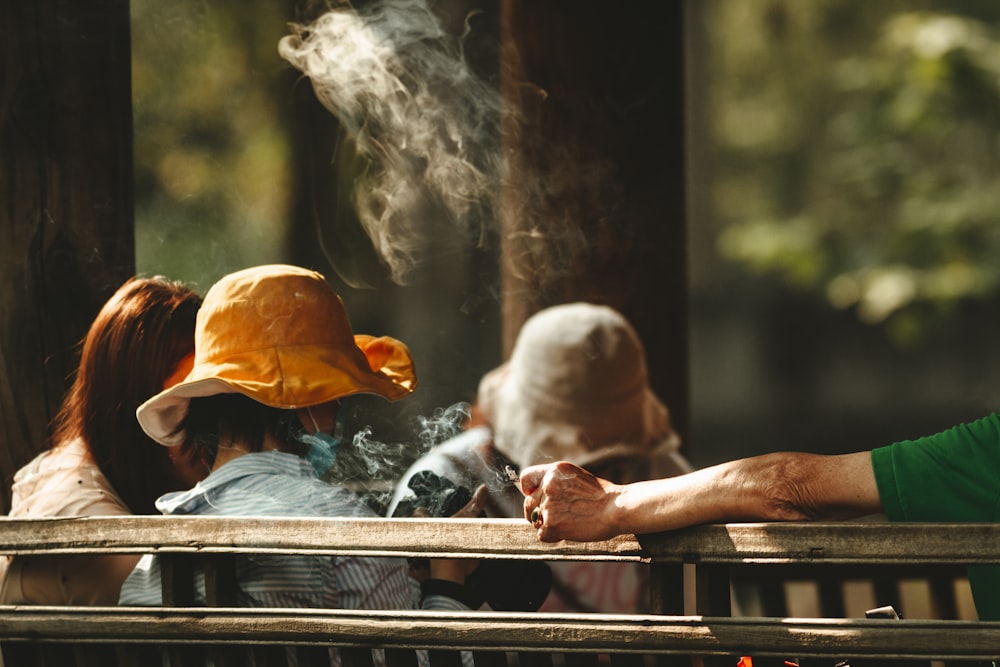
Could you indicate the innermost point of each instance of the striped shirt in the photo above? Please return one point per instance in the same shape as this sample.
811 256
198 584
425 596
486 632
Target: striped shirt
275 483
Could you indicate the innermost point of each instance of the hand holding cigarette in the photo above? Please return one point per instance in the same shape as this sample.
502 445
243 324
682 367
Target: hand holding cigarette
565 502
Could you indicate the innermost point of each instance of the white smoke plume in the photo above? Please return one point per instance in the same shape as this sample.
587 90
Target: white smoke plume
401 87
364 460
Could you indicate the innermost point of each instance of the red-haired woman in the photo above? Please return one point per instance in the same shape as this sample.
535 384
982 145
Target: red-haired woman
100 462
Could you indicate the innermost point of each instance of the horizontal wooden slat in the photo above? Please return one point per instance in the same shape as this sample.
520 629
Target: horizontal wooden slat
789 544
684 635
829 543
471 538
748 543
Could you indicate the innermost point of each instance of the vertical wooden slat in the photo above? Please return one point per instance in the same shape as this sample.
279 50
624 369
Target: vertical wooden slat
942 591
445 658
227 656
137 655
319 656
181 655
627 660
714 590
887 592
677 661
532 659
666 588
53 655
93 655
772 597
489 659
401 658
831 595
356 657
220 580
177 579
271 656
585 660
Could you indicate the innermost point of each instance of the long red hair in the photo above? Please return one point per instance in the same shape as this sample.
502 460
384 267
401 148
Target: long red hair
132 347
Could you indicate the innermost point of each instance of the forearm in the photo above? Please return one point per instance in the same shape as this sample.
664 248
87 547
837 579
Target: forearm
785 486
75 579
573 504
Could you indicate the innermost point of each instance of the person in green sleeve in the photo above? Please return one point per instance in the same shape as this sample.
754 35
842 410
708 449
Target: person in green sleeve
948 477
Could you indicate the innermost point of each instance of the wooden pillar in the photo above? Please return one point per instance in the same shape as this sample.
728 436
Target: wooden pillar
594 205
66 235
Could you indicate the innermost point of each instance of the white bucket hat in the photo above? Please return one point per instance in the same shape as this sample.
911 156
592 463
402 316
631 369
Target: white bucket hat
576 389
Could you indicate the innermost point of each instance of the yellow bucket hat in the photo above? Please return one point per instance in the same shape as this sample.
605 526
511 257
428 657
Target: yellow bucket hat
280 335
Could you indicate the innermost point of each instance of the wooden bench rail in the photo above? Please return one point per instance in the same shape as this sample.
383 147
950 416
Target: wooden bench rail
497 631
750 543
455 538
828 543
692 571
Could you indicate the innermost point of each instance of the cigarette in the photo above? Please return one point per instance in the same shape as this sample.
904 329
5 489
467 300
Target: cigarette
512 475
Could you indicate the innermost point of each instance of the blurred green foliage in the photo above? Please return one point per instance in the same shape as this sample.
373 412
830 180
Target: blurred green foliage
855 150
854 146
211 156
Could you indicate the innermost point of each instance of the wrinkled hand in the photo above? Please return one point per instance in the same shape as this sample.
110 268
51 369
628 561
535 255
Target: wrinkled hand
457 569
571 503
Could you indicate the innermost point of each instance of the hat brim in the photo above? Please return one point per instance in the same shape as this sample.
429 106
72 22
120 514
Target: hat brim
531 428
298 376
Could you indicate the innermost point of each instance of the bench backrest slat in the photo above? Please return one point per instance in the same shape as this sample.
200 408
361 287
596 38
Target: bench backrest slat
480 538
700 562
524 632
752 543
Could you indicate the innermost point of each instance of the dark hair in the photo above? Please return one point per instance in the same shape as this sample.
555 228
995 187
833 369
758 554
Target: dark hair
131 348
239 418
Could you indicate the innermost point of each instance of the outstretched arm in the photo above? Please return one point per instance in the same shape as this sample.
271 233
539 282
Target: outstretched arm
784 486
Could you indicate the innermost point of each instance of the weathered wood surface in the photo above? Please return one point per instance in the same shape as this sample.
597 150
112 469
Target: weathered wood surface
480 538
495 631
26 630
750 543
829 543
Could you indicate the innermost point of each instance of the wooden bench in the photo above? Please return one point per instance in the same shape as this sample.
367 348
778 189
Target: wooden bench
692 572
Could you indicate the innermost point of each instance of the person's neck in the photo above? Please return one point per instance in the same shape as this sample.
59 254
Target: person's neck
233 449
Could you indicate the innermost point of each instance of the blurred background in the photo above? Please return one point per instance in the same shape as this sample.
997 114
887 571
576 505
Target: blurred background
843 209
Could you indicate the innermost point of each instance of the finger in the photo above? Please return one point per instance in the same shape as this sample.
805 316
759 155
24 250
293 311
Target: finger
536 517
495 503
531 478
529 506
545 533
474 506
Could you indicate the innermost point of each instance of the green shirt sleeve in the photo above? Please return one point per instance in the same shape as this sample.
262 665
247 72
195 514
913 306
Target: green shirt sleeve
952 476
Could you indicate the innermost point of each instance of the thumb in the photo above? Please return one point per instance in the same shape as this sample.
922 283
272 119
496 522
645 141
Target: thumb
474 507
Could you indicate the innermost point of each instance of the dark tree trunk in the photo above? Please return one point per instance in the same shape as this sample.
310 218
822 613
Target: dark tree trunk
594 204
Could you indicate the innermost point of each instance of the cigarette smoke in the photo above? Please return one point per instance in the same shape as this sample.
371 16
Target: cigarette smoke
365 458
401 87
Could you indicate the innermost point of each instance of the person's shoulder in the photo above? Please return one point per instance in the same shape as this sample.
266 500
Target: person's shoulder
64 481
985 427
320 498
70 456
453 456
459 459
981 435
464 443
